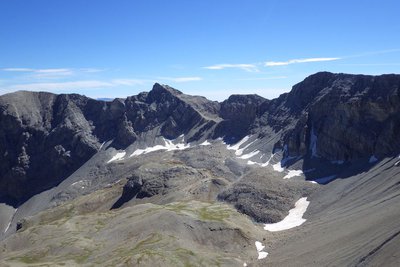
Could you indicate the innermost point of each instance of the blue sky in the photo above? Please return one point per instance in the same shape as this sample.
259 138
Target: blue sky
213 48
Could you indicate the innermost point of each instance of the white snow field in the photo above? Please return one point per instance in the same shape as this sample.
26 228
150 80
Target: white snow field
118 156
236 147
278 167
294 219
169 146
260 247
293 173
205 143
249 155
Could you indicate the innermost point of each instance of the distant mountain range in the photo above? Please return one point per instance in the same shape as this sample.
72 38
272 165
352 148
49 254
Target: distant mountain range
165 178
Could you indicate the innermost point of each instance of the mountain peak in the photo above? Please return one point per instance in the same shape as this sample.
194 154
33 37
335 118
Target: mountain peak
245 99
161 92
165 88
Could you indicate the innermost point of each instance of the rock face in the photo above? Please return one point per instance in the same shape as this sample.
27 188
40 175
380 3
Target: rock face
46 137
43 139
238 113
344 117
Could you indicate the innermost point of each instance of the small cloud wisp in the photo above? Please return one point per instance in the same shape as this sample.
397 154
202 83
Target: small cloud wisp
246 67
296 61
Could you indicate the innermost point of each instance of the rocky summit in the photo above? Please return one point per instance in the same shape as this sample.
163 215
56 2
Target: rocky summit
311 178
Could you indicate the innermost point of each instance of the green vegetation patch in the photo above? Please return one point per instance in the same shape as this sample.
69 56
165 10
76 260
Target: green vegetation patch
27 259
204 211
214 213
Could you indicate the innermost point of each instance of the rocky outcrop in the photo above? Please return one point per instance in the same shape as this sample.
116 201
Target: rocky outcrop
265 200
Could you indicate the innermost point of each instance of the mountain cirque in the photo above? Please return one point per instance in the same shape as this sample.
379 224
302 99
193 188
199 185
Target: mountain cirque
168 179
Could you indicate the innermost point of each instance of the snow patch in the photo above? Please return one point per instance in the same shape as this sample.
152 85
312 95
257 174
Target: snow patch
9 223
293 173
111 184
267 163
236 147
294 219
118 156
238 144
249 162
373 159
260 247
8 226
262 255
249 155
101 146
205 143
278 167
81 184
168 145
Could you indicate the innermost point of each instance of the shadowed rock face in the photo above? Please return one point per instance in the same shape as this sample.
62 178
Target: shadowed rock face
43 139
239 113
350 116
46 137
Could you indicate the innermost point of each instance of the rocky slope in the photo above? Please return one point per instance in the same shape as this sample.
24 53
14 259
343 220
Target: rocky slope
162 159
66 130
